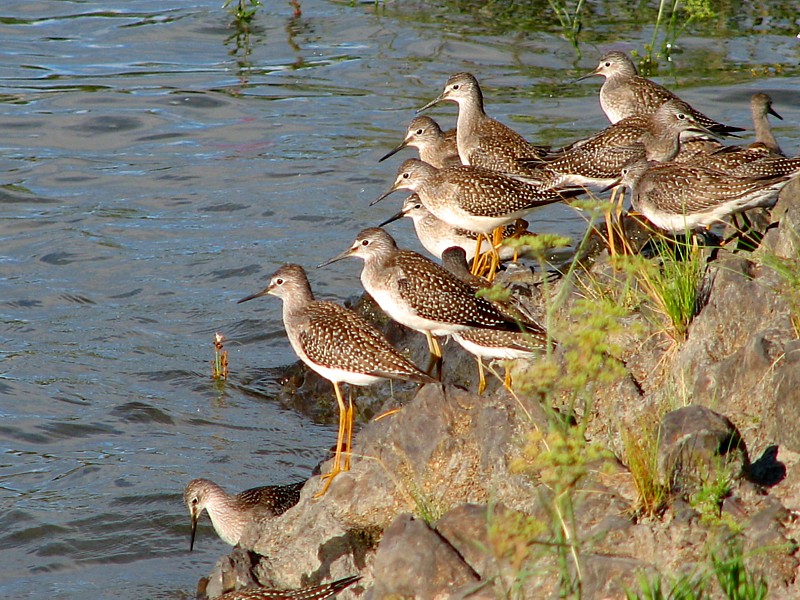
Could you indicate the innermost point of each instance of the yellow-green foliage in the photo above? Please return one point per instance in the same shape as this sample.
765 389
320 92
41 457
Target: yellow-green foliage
641 456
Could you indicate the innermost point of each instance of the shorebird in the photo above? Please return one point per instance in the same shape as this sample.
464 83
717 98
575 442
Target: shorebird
483 141
597 161
339 345
679 197
435 146
526 342
760 107
316 592
765 145
417 292
625 93
473 198
436 235
230 514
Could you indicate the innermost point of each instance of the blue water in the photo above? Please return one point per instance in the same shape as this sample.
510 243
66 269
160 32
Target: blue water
155 169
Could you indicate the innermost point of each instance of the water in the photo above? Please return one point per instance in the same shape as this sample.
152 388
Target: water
154 171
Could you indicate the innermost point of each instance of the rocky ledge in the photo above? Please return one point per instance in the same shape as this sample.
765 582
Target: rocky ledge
630 457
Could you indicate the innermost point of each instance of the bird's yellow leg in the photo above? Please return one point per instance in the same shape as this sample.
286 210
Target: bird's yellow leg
349 429
507 378
481 377
477 261
337 457
436 354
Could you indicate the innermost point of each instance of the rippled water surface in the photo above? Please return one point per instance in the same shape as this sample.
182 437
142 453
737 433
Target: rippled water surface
155 168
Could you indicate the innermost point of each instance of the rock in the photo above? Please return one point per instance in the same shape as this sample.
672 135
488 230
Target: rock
696 445
786 429
413 561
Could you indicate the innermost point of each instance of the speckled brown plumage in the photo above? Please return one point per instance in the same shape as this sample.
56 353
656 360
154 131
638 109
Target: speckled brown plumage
435 146
316 592
437 235
625 93
471 198
335 342
598 161
681 197
483 141
416 292
230 513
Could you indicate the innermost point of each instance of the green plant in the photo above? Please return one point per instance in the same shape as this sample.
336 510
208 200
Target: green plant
515 538
641 456
674 284
243 11
736 581
708 497
560 460
570 20
684 587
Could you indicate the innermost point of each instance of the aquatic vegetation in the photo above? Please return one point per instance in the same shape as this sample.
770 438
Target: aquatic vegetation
219 366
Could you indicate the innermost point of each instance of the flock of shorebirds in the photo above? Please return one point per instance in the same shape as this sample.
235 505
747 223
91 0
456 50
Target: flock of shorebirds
471 187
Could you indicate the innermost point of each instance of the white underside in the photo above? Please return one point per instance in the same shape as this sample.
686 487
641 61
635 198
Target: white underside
679 223
490 352
472 222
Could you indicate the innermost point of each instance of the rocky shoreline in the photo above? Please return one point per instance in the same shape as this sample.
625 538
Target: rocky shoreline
531 495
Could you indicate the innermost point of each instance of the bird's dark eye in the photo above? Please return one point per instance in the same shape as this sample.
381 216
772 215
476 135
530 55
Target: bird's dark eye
418 206
365 242
279 281
194 500
608 63
681 116
420 131
456 86
406 175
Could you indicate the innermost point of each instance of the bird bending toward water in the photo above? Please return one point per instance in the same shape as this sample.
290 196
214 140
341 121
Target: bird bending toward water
339 345
316 592
231 513
625 93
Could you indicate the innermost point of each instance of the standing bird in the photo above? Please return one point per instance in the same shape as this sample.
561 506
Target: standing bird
435 146
760 107
339 345
598 161
679 197
437 235
483 141
494 344
316 592
625 93
473 198
230 514
418 293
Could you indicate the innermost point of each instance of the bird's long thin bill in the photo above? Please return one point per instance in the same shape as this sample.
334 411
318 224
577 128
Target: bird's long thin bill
392 152
610 186
344 254
774 114
582 77
393 218
251 296
429 104
194 531
381 197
